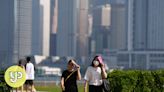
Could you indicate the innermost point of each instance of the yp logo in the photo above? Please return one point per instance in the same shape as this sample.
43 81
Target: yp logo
15 76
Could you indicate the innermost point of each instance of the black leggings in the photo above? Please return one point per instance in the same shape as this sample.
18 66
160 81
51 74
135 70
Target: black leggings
93 88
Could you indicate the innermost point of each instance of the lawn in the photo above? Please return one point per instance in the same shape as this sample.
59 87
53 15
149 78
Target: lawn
54 88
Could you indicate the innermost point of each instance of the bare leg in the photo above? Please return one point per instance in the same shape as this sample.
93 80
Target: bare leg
33 88
22 88
26 87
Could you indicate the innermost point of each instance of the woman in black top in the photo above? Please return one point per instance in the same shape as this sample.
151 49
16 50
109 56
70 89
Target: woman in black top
69 77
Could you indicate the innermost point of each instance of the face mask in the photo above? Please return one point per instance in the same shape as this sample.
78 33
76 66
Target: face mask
96 63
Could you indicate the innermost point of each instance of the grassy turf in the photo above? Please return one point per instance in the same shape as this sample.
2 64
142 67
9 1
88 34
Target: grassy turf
54 88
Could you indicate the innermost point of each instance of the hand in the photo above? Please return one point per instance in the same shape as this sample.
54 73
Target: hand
102 65
63 88
76 65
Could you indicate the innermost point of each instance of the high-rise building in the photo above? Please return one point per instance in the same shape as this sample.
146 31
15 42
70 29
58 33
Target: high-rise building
36 28
23 29
40 27
53 26
117 1
82 38
145 41
155 27
146 17
100 38
67 27
45 5
7 31
129 24
18 17
118 23
95 3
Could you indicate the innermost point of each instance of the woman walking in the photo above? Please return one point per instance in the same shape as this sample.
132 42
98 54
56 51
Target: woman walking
70 76
94 75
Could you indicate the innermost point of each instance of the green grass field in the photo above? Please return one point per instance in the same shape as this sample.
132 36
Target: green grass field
54 88
48 88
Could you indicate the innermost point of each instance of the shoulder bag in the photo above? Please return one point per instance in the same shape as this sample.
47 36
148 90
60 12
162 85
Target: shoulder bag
69 76
106 85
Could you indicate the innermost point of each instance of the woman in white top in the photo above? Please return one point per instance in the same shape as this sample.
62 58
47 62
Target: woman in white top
94 75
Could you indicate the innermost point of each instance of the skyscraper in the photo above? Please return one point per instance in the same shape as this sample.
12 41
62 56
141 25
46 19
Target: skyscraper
118 23
7 31
147 24
155 27
45 6
67 27
36 28
95 3
23 29
40 27
53 26
82 34
145 41
20 25
100 39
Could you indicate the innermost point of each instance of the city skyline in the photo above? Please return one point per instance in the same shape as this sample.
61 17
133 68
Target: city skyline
82 29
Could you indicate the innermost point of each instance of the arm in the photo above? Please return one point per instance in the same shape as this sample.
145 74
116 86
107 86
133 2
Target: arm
78 70
103 73
87 78
62 84
85 85
78 73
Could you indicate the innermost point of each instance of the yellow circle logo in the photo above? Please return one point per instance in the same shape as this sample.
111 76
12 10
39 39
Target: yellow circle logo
15 76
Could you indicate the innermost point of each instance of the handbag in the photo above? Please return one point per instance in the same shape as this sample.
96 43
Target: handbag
106 85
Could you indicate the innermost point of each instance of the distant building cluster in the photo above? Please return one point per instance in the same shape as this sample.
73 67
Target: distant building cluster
127 33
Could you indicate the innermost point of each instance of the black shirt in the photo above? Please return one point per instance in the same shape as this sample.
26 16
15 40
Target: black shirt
70 84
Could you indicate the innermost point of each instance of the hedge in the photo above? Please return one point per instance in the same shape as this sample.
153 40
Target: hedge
136 81
125 81
3 86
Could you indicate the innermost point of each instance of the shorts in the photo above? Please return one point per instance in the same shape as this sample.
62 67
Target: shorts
29 82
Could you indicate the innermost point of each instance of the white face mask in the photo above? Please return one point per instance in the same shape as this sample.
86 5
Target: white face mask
96 63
